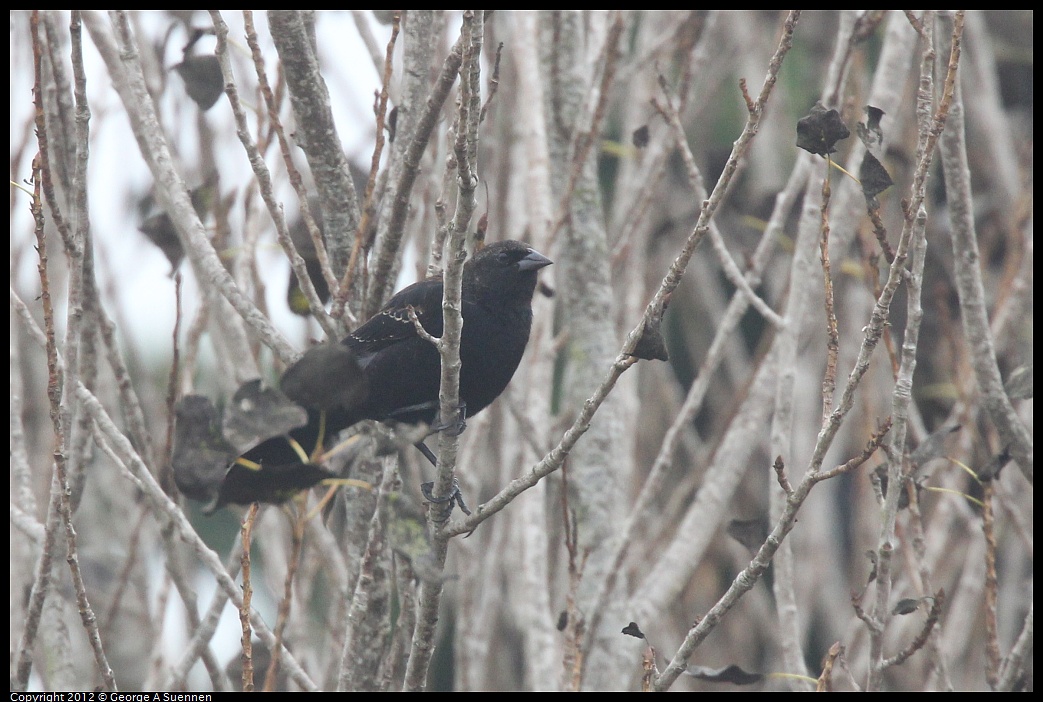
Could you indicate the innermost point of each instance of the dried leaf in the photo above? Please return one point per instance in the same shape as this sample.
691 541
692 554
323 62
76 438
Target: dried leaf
906 606
874 177
820 130
632 629
201 454
749 532
640 137
257 413
203 80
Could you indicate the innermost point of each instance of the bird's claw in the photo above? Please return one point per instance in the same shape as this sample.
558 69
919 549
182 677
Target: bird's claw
455 496
456 425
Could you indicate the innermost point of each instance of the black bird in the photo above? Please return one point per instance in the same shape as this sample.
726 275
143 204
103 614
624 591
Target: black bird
403 370
387 372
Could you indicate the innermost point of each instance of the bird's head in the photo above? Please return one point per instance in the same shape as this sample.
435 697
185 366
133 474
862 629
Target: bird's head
507 268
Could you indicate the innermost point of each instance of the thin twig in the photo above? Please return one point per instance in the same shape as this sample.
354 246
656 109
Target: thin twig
283 616
672 116
123 63
967 267
744 581
829 378
60 484
583 137
246 641
361 20
381 281
553 460
316 131
366 230
933 617
294 175
992 644
171 515
931 122
466 149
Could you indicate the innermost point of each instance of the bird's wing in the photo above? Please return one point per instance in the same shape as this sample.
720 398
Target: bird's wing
392 324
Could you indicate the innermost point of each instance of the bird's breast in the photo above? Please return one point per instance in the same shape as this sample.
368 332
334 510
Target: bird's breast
491 348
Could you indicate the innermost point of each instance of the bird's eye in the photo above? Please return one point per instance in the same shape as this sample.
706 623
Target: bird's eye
503 257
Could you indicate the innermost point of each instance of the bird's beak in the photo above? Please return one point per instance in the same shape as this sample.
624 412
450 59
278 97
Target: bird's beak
534 261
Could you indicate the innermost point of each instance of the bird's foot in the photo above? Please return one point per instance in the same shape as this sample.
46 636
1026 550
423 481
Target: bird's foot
455 497
456 425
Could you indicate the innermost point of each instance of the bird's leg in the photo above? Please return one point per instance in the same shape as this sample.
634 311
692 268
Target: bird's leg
428 453
321 440
413 413
455 427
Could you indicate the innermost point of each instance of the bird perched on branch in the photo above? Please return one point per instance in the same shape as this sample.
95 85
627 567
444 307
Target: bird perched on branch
386 371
